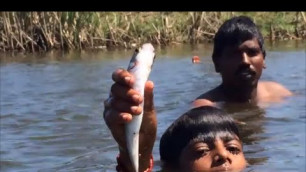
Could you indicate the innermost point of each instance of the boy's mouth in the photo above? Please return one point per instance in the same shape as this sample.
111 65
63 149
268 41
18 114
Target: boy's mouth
224 167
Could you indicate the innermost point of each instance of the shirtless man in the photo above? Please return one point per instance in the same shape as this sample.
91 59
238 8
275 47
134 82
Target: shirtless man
239 56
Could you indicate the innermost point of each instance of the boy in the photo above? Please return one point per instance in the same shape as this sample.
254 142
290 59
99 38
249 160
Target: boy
202 139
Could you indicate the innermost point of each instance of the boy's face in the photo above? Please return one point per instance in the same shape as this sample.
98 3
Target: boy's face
221 155
242 64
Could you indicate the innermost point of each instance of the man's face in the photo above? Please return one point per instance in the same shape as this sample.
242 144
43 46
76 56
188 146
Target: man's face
242 64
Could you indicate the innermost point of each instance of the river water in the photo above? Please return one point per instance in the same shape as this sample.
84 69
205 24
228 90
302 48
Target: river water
51 107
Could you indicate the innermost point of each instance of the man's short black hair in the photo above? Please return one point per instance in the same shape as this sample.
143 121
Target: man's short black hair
235 31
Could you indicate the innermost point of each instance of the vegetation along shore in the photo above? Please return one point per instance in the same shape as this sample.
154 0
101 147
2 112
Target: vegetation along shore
44 31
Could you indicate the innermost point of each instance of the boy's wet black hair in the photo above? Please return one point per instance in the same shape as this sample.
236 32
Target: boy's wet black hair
235 31
203 123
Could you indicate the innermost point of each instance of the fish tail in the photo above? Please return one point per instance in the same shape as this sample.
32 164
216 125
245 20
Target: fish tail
132 138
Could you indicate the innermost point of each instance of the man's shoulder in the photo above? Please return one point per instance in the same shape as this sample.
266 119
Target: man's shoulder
208 98
202 102
211 95
273 88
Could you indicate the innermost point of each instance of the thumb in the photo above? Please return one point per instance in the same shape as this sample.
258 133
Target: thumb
148 96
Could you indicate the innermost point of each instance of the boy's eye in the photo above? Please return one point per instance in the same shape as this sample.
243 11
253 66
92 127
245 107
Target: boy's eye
202 151
233 150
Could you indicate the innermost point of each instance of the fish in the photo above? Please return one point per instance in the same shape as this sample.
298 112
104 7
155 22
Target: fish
140 67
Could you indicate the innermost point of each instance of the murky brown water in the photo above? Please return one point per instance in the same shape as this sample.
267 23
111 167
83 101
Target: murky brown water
51 108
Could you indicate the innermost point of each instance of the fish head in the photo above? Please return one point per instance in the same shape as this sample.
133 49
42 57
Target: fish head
146 55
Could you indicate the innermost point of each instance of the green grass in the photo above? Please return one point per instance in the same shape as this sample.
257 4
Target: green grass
43 31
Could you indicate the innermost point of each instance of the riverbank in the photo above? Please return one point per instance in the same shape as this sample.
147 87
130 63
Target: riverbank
45 31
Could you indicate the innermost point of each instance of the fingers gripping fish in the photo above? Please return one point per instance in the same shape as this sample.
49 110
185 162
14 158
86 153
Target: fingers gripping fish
140 67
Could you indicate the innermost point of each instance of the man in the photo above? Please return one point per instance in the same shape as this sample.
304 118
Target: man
239 56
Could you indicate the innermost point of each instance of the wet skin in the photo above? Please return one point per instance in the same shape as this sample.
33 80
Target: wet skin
220 154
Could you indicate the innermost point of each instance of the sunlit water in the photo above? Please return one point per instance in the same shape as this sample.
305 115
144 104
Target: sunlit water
51 108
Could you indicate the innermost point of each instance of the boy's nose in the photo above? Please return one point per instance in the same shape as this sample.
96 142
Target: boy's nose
221 154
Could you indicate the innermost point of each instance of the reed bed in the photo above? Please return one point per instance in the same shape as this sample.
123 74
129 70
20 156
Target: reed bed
44 31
